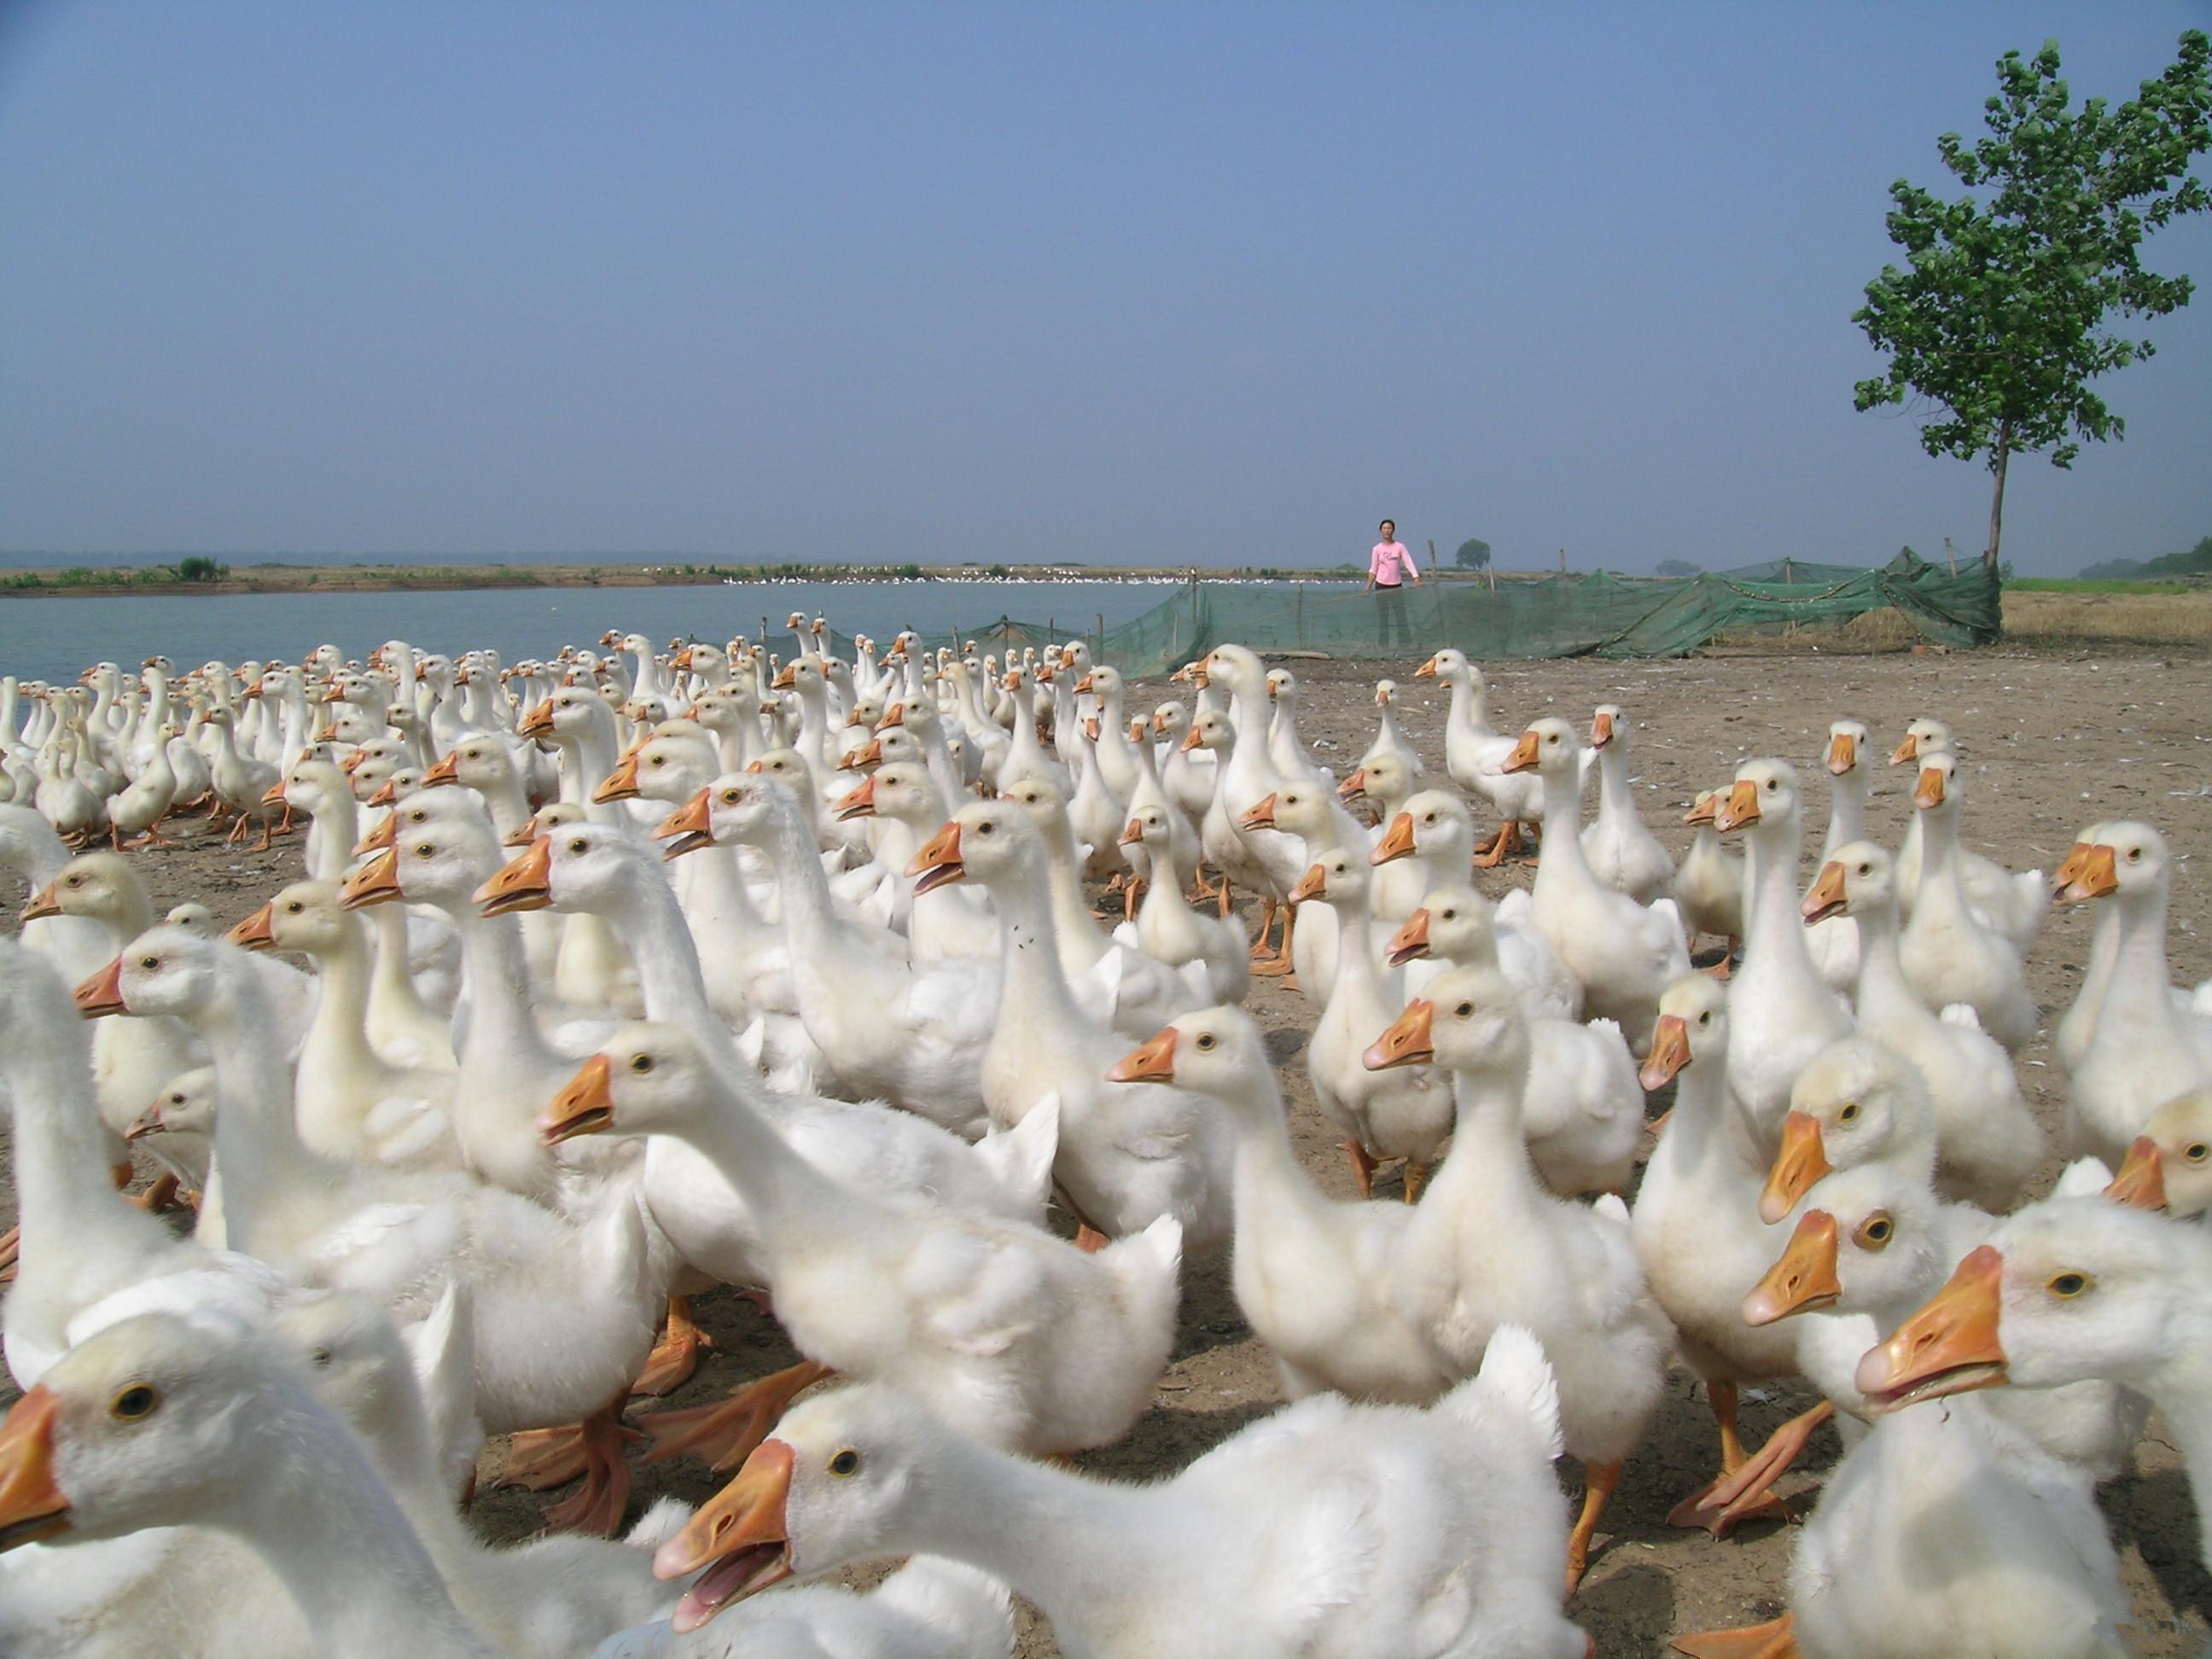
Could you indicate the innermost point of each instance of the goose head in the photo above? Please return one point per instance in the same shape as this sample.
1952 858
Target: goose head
426 809
570 716
1236 671
1858 1101
150 1422
165 970
1549 747
645 1080
2065 1290
1171 720
2169 1165
1105 682
1302 808
307 917
1450 665
193 917
1868 1240
480 761
1921 737
1045 803
1385 779
1149 827
186 1105
1936 793
579 867
314 784
1455 925
1692 1026
1764 794
1432 825
1470 1020
355 1361
554 815
1609 728
1847 742
1337 878
997 843
1860 880
1214 731
440 862
673 765
99 887
785 766
2127 861
1219 1052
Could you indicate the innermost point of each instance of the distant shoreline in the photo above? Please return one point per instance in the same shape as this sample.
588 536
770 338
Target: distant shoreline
163 580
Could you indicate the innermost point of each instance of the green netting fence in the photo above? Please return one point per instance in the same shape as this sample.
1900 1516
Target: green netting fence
1565 615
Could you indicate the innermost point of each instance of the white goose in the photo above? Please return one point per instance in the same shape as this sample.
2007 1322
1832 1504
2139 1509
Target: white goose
1477 757
1950 955
1622 853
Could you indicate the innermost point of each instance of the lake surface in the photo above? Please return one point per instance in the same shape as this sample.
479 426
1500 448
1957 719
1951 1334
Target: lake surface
54 638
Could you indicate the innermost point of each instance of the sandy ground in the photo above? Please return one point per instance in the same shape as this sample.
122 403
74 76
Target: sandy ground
2053 740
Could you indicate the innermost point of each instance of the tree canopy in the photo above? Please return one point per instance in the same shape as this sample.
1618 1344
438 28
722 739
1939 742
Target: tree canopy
1999 317
1473 554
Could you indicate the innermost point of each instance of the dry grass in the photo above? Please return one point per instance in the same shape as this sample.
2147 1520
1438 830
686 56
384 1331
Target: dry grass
2135 618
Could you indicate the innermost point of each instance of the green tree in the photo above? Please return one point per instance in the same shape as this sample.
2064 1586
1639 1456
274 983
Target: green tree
1473 554
201 568
1999 317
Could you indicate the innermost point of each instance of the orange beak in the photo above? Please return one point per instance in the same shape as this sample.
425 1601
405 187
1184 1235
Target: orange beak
1802 1161
1261 816
102 993
1950 1347
895 715
621 784
939 864
1704 811
2141 1180
786 678
1907 752
274 794
2070 868
538 723
525 883
1083 686
525 833
740 1536
2100 875
1827 897
1159 721
254 932
1804 1278
376 881
1600 731
686 830
46 902
1153 1063
870 753
1427 671
1190 739
859 803
447 770
31 1507
1133 835
1311 885
1670 1052
1353 787
1407 1041
1930 792
1741 808
1523 758
584 1106
1397 842
386 793
1843 753
1411 942
376 840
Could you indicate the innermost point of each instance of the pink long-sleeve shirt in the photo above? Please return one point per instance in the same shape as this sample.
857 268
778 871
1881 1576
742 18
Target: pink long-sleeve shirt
1390 563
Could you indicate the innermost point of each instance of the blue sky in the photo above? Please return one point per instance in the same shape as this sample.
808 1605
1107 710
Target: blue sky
1215 282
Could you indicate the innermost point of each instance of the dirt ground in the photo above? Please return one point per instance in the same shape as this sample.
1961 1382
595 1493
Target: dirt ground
2052 739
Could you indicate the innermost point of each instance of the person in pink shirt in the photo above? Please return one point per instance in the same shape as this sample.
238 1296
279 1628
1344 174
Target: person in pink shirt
1389 566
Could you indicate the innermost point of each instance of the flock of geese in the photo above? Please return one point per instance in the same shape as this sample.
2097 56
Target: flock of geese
630 974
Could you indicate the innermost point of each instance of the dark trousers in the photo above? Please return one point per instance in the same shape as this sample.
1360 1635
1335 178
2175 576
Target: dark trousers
1390 610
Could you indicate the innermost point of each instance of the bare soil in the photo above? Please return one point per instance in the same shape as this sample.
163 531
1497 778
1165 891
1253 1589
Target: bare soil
2053 740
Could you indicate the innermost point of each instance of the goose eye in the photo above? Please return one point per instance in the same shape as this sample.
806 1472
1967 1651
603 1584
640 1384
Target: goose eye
2196 1152
580 845
641 1063
1865 869
76 881
424 849
135 1402
1465 1011
1206 1041
1771 786
2135 855
2069 1285
320 1358
730 798
1876 1230
1705 1018
1850 1114
294 908
845 1464
150 963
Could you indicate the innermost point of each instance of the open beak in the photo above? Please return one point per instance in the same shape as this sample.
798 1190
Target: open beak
2100 876
1670 1052
937 865
740 1536
1804 1278
254 932
31 1506
1827 897
1153 1063
384 834
621 784
376 881
2070 868
1261 816
46 902
1704 811
1742 807
858 803
525 883
1133 835
1802 1161
1353 787
584 1106
274 794
1411 942
1407 1042
1843 753
538 723
2141 1182
1930 792
1907 752
148 1122
686 830
1950 1347
446 771
1600 731
102 994
1523 758
1083 686
1311 885
1397 842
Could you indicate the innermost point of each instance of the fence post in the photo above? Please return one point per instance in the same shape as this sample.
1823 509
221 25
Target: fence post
1302 613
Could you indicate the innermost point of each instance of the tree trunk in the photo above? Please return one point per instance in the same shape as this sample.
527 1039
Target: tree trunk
1998 460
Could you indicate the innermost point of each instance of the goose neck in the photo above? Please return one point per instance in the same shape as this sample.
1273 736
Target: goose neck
1034 987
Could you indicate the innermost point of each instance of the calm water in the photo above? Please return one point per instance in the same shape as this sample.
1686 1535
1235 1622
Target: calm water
53 639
